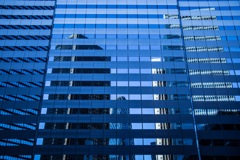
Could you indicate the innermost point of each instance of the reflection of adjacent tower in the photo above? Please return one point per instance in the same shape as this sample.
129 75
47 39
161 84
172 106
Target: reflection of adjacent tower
203 37
206 60
78 111
121 126
210 84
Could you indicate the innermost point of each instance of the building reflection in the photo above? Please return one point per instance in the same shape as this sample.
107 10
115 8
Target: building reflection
77 111
121 126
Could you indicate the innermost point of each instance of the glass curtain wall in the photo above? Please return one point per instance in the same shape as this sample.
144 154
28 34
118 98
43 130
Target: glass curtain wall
25 33
123 80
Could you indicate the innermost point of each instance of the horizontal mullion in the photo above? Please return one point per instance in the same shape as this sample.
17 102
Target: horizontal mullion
116 118
218 119
23 42
132 53
114 77
22 65
214 78
215 91
98 150
210 55
20 91
219 151
116 104
110 65
19 104
21 78
19 119
23 22
16 134
128 133
29 54
219 134
216 105
112 90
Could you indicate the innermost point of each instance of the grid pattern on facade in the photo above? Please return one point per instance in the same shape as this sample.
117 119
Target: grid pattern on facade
25 28
125 80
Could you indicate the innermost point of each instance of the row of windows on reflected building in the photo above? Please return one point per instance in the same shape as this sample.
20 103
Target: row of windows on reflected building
108 91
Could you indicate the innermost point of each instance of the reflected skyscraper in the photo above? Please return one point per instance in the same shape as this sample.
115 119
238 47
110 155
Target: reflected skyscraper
119 80
121 126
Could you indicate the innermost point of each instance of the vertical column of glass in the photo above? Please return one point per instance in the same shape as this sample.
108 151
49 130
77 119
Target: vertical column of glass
24 44
211 46
117 85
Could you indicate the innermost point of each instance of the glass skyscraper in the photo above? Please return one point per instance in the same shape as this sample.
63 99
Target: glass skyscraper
120 80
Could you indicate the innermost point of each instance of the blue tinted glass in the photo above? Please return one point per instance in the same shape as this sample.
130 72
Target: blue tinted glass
229 27
122 16
91 6
235 8
143 36
101 6
153 25
90 25
121 6
111 6
111 36
69 26
226 17
162 7
236 17
58 25
132 6
90 15
194 8
101 25
184 8
133 36
132 25
152 7
122 26
111 15
143 26
152 16
172 7
59 15
79 25
57 36
142 16
132 16
232 37
234 49
71 6
100 36
80 15
81 6
61 6
101 15
111 25
70 15
223 38
224 8
220 27
122 36
142 6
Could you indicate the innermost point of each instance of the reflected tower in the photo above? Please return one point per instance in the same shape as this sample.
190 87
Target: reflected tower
121 126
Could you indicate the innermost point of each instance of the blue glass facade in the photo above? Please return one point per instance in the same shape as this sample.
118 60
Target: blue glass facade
25 33
120 80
